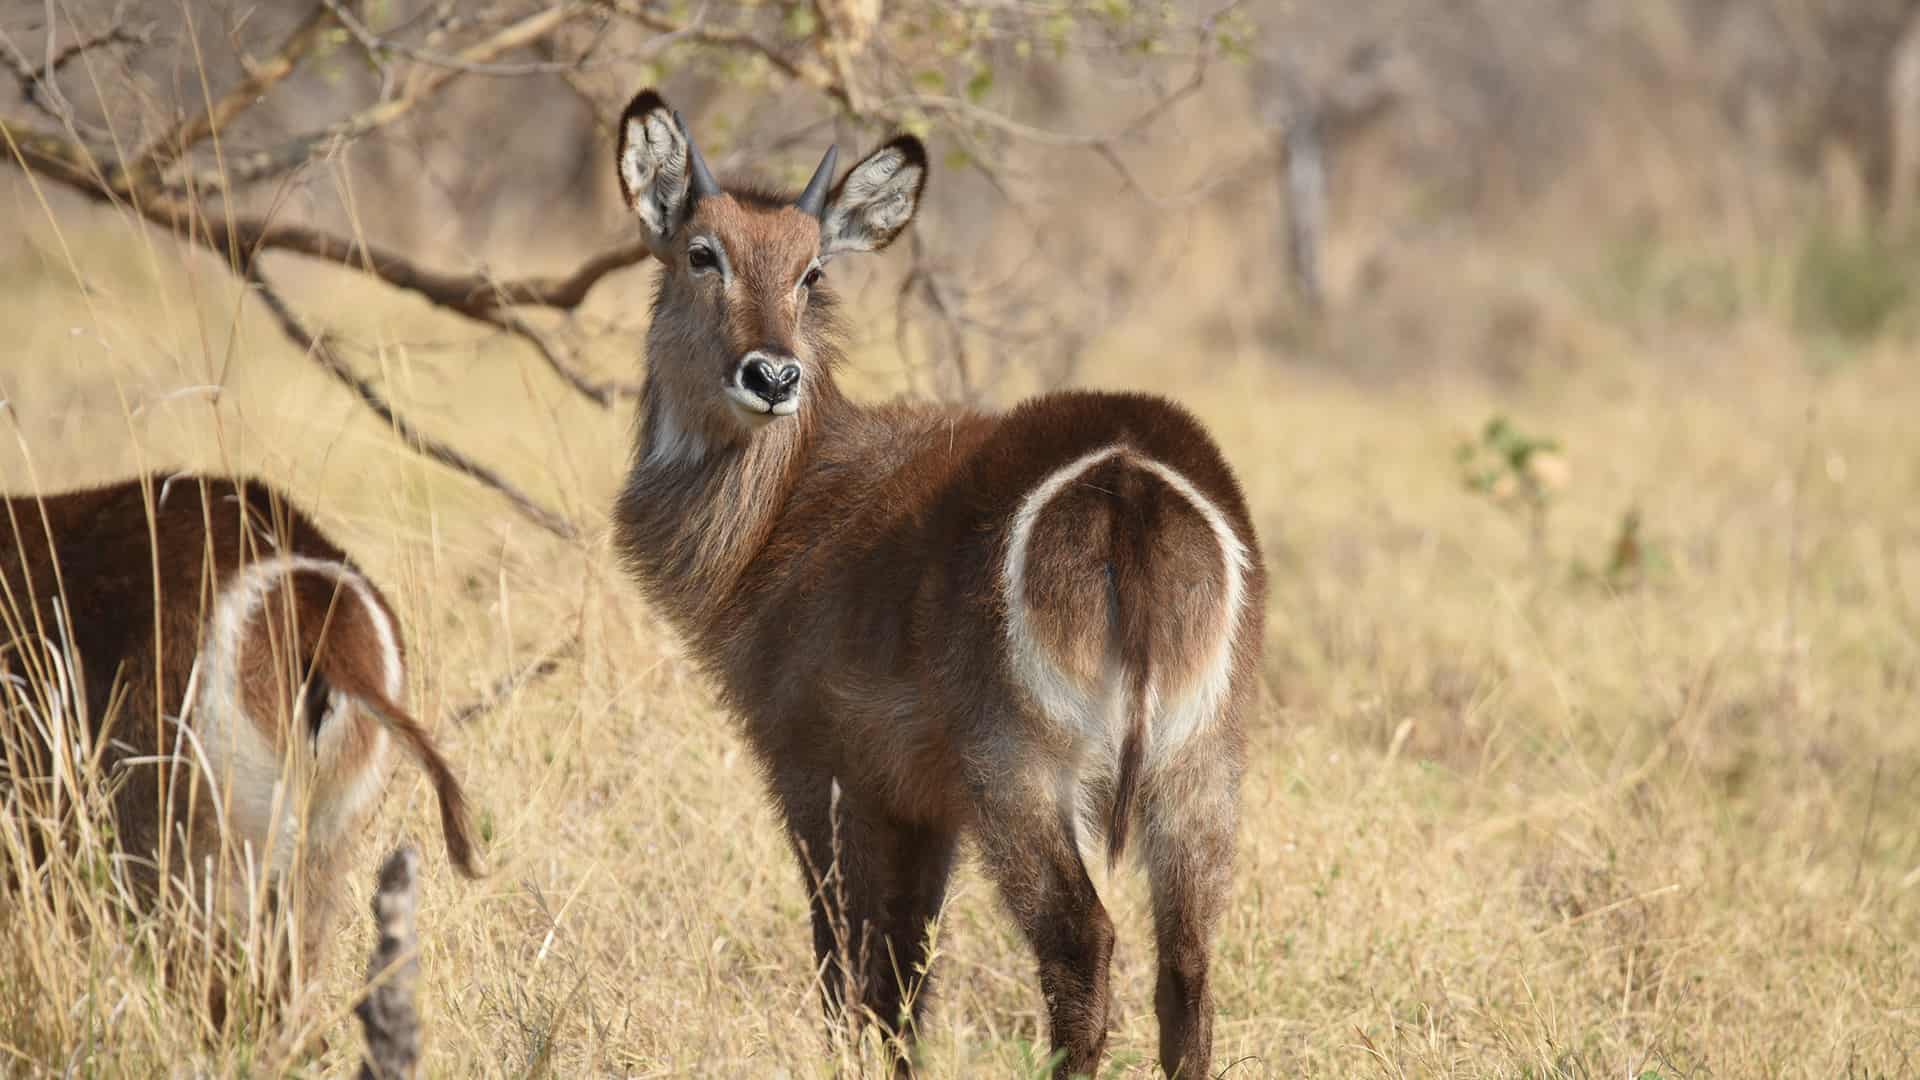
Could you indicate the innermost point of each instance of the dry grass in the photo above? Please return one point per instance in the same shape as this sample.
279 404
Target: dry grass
1502 818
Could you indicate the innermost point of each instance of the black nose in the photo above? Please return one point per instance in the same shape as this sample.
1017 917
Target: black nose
770 384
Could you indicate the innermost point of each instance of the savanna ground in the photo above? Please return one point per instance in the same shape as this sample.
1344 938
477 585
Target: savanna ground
1529 794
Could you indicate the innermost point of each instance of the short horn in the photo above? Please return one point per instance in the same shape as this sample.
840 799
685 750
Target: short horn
814 199
703 184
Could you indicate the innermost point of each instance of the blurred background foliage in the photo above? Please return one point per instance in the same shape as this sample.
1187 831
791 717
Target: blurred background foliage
1579 168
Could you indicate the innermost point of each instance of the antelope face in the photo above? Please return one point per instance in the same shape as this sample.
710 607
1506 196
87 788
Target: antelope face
750 272
742 312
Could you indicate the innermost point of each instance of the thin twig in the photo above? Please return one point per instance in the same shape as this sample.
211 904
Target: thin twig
259 165
799 69
376 44
1256 163
929 286
148 163
37 85
518 679
478 296
1028 133
600 393
115 35
473 295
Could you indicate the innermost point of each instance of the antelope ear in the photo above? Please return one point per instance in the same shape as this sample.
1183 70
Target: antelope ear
876 201
653 167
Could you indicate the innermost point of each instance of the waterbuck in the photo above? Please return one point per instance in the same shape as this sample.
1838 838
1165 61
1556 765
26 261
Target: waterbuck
1040 627
199 647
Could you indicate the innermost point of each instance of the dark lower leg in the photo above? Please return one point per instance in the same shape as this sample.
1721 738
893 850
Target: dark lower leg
1191 872
1075 947
1050 895
1184 1004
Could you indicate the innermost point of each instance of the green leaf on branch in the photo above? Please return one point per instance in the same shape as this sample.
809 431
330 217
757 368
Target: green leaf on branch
978 86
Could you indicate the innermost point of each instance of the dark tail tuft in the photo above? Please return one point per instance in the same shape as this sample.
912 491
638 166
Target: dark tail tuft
1132 749
455 821
1133 625
1132 614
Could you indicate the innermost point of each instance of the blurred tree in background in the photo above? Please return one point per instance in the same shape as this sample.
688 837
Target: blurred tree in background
1254 175
448 148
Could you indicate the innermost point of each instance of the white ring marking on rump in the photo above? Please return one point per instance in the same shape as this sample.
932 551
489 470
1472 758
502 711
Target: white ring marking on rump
1057 695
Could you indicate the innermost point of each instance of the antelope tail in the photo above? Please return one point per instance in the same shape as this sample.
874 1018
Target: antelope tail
455 820
1136 661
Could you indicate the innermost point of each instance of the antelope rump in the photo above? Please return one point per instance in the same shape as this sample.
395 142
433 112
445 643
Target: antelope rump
196 645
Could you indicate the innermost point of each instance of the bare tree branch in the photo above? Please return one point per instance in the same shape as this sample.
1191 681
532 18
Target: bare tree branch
1028 133
601 393
37 85
114 35
321 352
800 69
477 296
387 1014
146 166
1256 163
473 295
249 168
926 282
378 45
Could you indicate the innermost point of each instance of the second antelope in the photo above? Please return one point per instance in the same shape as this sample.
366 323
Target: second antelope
195 647
1041 628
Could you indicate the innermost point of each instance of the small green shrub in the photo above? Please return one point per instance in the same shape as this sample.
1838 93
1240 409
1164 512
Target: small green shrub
1851 289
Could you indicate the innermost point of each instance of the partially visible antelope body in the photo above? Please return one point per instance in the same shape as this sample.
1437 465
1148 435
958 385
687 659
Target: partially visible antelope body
1041 627
199 644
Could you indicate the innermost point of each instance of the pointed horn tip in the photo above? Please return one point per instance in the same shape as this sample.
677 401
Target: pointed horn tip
813 200
702 180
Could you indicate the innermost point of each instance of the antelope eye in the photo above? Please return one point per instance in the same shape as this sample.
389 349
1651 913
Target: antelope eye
701 257
812 276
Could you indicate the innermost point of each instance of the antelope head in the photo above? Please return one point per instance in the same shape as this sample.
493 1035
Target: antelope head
742 322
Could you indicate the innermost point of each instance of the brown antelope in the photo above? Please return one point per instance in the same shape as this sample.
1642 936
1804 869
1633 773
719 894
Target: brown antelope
1039 627
201 645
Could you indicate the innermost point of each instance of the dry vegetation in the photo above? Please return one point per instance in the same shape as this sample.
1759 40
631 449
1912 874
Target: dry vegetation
1533 793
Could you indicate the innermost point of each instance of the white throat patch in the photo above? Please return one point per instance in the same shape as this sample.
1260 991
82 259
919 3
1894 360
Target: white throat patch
669 442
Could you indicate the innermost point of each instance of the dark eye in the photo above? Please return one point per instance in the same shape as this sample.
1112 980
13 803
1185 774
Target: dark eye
811 278
701 257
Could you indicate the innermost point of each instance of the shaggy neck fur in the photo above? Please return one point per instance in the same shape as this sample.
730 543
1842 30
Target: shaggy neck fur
701 498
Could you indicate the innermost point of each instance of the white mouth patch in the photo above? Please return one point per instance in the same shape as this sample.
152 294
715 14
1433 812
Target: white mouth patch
755 404
747 399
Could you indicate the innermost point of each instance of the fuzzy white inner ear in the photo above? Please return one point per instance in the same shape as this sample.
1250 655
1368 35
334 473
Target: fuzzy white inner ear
876 202
653 166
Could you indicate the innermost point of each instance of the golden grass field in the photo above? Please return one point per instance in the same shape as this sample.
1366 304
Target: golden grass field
1502 817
